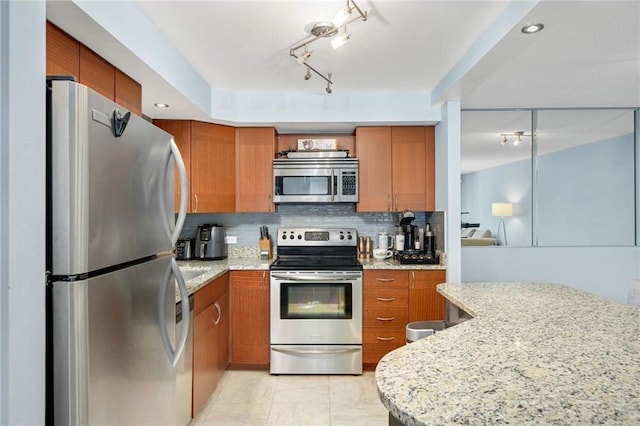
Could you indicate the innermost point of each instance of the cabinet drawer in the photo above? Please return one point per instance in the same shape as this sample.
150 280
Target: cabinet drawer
380 341
386 279
386 318
386 299
211 292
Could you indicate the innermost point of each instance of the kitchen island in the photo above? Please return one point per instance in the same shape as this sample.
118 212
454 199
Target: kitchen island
534 353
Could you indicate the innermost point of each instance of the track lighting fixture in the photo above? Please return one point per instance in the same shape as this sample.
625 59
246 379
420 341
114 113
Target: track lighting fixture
518 135
304 57
341 39
319 30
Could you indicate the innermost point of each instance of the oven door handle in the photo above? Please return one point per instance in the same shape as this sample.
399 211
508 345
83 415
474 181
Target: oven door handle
317 277
316 351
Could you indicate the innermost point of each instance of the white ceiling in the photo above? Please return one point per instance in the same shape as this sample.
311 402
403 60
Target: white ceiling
588 54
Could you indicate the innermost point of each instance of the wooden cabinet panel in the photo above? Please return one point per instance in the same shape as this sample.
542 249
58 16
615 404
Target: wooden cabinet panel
204 357
425 303
63 53
97 73
396 168
408 168
250 317
210 339
379 341
255 150
385 279
128 92
181 131
373 148
385 314
378 299
223 335
212 182
430 172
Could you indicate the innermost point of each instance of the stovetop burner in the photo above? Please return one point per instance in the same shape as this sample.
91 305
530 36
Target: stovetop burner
309 263
309 249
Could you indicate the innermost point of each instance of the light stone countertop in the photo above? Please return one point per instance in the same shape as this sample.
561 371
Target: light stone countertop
208 270
534 353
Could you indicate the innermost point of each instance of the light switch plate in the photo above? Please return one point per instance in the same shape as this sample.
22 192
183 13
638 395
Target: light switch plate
231 239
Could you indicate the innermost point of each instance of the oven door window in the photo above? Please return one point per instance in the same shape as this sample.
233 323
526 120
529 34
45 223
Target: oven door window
303 185
315 301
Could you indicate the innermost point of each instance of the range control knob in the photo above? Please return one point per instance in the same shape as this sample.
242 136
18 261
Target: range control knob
299 236
349 237
291 237
342 236
284 236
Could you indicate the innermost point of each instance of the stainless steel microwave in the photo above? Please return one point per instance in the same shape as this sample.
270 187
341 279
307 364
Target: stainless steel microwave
317 180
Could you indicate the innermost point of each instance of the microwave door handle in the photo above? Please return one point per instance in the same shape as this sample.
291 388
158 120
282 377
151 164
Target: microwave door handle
334 184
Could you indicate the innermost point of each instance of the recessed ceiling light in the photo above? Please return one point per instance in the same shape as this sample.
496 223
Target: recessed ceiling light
532 28
161 105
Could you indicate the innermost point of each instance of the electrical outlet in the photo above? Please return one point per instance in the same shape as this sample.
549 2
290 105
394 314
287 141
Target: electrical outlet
231 239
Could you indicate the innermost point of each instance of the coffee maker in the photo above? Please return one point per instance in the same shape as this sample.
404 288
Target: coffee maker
419 243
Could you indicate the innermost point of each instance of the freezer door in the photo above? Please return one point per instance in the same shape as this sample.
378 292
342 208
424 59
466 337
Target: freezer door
110 366
111 197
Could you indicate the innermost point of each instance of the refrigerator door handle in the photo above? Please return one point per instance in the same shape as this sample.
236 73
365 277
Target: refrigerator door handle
174 355
184 191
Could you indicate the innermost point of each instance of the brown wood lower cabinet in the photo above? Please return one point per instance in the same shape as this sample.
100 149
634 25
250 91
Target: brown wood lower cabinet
385 313
392 299
425 303
210 339
250 318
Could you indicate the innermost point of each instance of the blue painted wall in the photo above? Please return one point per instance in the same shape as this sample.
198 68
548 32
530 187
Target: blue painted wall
585 196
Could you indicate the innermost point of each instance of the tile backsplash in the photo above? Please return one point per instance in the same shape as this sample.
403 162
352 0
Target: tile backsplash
245 226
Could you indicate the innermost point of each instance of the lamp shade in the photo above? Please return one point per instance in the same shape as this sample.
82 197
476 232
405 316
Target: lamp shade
501 209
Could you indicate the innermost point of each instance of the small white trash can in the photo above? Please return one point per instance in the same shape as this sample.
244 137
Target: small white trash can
420 329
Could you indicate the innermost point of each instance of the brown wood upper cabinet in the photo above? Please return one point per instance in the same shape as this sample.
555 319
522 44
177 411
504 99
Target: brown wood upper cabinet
67 56
63 53
396 168
181 131
208 151
255 150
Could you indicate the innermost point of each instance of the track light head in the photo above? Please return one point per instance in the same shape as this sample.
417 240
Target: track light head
307 76
328 89
304 57
504 140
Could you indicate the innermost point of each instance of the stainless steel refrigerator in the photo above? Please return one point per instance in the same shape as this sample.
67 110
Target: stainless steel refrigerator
111 275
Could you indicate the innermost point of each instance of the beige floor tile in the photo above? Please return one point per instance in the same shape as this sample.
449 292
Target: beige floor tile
246 386
256 398
354 390
359 415
299 414
248 413
302 389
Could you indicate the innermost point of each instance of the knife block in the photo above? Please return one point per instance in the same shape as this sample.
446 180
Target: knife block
265 249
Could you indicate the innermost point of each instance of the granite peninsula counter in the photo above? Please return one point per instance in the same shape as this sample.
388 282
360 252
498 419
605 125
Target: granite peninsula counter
534 353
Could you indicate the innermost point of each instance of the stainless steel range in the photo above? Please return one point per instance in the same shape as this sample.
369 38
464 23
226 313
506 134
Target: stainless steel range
316 302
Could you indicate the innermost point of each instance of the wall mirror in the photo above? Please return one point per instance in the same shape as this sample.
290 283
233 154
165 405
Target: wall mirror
585 178
561 177
496 172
